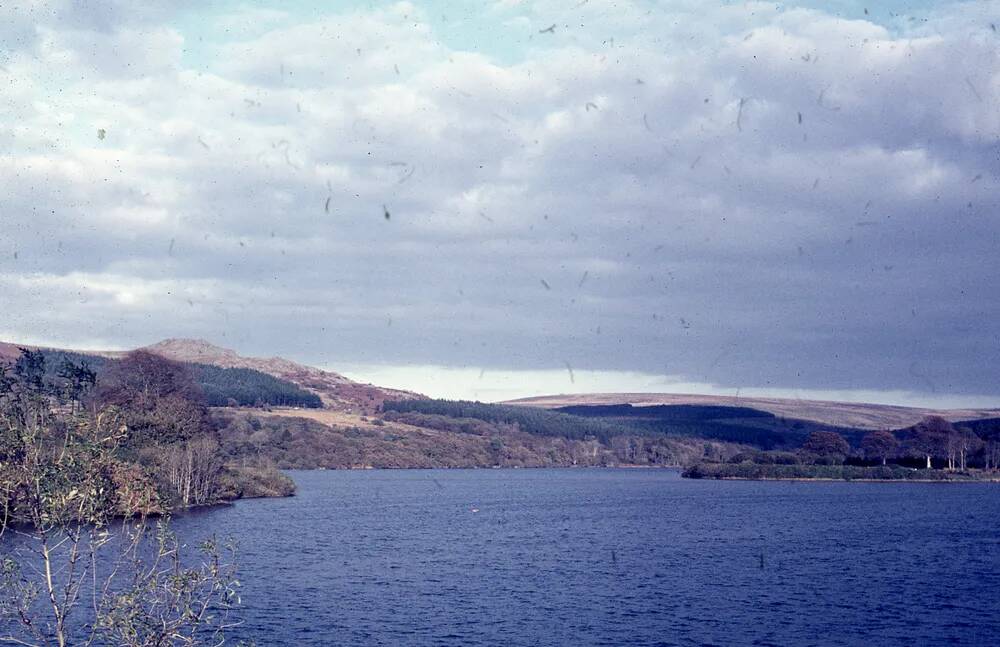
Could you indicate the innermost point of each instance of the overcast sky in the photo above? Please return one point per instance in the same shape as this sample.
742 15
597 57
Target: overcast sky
509 197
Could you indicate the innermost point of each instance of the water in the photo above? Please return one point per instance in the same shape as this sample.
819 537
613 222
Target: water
613 557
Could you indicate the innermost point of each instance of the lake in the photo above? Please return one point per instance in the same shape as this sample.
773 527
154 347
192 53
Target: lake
613 557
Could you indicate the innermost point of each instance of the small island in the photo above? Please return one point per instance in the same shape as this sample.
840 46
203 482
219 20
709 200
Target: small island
933 451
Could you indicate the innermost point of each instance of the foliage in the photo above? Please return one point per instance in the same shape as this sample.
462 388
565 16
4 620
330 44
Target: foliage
729 424
158 599
539 422
71 572
679 412
827 445
929 437
160 399
247 387
429 440
879 445
250 482
732 424
835 472
214 385
767 457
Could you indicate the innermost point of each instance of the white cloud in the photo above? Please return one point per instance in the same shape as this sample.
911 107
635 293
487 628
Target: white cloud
814 194
499 385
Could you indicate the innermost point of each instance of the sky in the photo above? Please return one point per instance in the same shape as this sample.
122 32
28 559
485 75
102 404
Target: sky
514 197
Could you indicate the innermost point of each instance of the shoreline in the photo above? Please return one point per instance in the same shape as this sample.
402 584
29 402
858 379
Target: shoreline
825 479
363 468
803 479
747 471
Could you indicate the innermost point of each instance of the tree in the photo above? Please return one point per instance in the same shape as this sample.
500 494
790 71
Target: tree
78 379
965 442
30 370
193 469
827 444
159 398
142 377
80 564
879 445
496 450
929 438
991 454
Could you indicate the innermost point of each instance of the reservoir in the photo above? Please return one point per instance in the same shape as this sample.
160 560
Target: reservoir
612 557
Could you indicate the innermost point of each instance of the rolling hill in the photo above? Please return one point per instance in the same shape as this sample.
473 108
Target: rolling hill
300 416
334 391
837 414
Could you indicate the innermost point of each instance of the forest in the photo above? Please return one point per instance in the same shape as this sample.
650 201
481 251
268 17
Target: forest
137 429
539 422
246 387
220 387
745 441
739 425
932 450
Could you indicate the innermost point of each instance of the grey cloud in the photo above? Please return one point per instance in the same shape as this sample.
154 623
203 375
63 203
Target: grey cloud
841 252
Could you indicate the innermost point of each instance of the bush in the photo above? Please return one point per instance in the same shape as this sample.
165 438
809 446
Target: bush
255 482
748 470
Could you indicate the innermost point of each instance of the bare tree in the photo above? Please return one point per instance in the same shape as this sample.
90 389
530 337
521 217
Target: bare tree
80 564
966 442
192 469
991 454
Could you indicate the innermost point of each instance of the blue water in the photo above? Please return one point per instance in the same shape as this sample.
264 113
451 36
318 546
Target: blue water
613 557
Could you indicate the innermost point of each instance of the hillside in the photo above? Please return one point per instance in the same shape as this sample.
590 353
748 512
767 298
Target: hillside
836 414
293 415
324 439
335 391
8 352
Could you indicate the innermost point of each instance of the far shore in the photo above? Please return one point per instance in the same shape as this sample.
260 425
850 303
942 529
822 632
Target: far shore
803 479
749 471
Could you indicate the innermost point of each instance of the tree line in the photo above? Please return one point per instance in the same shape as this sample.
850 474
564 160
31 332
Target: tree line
739 425
89 466
540 422
218 386
932 443
245 387
633 433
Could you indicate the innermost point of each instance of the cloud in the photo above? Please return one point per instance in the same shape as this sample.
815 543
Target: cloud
744 196
493 385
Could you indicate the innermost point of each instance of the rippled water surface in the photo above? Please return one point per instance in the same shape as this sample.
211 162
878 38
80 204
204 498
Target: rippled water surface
613 557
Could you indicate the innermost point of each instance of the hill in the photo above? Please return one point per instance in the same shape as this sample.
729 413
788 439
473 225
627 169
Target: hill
854 415
292 415
737 426
334 390
241 378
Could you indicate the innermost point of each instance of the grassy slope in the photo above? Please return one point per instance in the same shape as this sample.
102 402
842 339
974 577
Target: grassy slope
840 414
310 439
